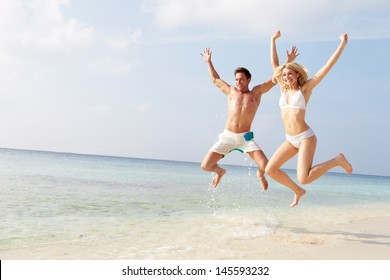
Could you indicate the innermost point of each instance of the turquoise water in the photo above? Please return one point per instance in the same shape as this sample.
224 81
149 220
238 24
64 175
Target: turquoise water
49 197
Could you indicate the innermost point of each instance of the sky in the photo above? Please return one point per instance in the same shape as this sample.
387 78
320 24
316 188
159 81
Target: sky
125 78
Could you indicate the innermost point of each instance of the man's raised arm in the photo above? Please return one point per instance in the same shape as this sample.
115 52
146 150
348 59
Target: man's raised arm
222 85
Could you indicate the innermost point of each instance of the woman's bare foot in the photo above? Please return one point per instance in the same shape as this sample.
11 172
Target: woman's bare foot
297 196
218 177
263 181
343 162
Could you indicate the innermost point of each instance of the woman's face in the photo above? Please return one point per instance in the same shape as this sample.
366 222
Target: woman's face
290 77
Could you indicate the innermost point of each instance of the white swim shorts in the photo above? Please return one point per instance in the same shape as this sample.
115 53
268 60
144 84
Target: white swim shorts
229 141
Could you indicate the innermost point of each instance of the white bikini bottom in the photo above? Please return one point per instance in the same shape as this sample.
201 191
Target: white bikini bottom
297 139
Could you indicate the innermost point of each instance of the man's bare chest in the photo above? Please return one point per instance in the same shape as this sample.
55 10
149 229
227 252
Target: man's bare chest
246 100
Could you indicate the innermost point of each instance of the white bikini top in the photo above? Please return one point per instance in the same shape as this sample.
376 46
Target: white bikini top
296 101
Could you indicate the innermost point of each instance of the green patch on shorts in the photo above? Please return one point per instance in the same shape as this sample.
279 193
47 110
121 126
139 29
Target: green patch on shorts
236 150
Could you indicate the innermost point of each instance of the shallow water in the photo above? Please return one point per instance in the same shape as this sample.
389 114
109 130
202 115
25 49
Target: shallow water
165 208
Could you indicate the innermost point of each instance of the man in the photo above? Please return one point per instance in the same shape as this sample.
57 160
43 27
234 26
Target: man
242 107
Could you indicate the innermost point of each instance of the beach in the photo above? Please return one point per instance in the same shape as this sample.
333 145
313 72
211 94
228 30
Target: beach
81 207
362 240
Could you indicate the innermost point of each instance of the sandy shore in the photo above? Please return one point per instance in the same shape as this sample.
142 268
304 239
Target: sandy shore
369 239
360 240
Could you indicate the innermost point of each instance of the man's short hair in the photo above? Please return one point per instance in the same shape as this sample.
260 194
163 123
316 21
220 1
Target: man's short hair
244 71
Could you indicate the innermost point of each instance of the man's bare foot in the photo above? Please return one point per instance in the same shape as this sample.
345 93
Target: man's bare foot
343 162
297 196
263 181
218 177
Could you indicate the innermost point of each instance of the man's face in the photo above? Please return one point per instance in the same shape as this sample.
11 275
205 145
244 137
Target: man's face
242 82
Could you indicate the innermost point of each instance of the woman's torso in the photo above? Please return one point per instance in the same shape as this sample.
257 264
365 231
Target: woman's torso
293 108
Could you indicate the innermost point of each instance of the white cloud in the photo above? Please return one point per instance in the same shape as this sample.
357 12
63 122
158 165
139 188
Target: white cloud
117 44
100 109
40 25
123 42
141 107
303 19
110 66
144 106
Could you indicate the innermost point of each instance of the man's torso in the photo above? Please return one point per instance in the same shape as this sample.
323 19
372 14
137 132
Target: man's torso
242 108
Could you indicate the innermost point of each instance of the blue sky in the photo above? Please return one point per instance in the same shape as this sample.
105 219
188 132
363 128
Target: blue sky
125 78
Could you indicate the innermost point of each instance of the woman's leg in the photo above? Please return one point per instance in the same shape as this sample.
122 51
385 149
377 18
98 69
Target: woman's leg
306 173
285 152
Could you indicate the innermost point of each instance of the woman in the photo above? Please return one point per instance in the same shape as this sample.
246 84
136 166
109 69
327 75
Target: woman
296 92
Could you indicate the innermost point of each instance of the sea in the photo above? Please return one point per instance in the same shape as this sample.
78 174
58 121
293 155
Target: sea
131 208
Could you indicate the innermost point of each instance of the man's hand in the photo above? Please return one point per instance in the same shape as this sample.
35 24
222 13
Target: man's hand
206 54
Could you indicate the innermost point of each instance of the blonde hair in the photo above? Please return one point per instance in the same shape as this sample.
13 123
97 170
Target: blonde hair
278 74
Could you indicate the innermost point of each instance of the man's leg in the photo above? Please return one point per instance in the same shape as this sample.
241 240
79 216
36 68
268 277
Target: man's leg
261 161
210 163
